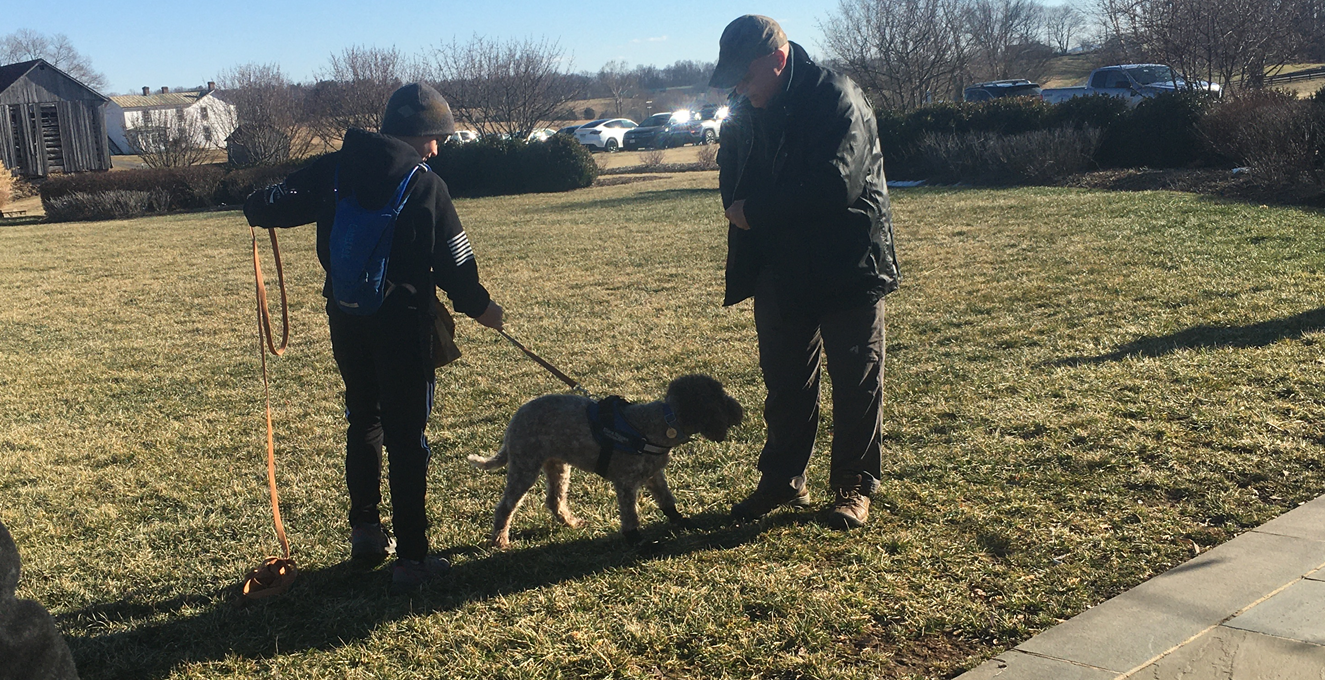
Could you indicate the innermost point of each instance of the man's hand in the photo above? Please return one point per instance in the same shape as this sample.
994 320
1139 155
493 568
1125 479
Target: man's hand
736 215
491 317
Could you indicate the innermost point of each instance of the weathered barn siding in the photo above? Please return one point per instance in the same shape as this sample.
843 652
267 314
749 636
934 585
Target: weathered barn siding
50 122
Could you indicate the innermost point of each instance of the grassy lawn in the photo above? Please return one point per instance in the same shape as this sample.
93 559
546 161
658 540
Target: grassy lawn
1084 389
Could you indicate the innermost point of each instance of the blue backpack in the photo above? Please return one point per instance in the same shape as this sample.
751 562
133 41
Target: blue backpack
361 247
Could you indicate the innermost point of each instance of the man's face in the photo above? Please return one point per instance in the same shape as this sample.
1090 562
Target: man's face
763 79
429 148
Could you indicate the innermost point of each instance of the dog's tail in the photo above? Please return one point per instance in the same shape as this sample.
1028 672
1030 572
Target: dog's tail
492 463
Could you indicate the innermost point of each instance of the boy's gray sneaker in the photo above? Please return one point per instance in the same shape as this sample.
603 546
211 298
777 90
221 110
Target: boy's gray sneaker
409 576
763 500
370 542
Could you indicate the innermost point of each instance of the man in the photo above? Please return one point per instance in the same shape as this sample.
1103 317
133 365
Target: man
810 239
385 358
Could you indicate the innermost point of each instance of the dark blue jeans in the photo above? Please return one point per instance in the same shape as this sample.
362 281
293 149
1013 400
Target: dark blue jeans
791 344
385 360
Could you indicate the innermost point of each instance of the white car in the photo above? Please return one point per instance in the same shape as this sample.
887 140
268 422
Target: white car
604 134
462 137
540 135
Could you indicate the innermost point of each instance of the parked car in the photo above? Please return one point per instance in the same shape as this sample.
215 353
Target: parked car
540 134
463 137
1132 82
650 134
604 134
569 130
703 126
983 92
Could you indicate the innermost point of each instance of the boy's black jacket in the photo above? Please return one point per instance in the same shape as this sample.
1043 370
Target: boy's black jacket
429 246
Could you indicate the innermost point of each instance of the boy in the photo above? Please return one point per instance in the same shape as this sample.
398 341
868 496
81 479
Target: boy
385 358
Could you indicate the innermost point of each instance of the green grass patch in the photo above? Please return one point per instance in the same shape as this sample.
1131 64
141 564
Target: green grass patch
1083 390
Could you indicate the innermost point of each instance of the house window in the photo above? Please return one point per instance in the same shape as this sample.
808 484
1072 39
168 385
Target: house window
207 131
179 113
202 112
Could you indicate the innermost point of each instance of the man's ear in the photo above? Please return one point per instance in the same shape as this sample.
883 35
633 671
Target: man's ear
783 54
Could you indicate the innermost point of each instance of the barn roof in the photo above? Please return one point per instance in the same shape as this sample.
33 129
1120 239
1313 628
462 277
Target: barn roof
10 73
169 100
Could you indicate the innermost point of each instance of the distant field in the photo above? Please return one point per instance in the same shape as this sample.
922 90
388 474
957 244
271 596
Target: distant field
1083 389
1069 70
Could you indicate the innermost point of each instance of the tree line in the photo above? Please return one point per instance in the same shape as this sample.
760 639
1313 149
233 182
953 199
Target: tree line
910 52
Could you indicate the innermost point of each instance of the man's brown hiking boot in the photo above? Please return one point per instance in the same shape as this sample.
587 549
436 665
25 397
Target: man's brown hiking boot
763 500
851 508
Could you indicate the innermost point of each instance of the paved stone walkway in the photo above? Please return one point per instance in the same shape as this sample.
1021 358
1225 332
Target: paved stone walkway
1250 609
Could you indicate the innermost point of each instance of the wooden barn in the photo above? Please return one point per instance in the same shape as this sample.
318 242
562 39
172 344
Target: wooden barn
49 122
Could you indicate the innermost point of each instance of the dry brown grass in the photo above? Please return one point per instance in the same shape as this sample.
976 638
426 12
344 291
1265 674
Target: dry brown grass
1080 391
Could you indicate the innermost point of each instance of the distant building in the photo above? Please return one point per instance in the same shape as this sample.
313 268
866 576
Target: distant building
141 122
50 122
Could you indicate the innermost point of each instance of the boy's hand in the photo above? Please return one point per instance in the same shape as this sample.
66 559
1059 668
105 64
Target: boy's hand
491 317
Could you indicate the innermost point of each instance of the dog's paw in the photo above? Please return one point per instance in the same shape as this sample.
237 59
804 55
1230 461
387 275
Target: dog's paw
633 537
500 542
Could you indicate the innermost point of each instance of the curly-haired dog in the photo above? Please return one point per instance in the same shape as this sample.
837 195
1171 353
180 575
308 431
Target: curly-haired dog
553 432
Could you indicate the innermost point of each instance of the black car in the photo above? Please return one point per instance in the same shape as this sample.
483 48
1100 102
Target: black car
983 92
653 133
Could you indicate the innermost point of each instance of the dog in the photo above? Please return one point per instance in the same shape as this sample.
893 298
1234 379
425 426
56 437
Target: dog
554 432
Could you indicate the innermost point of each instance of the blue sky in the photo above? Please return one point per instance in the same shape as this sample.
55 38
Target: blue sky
155 43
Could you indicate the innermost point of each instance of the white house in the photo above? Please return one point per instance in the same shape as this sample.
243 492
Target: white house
135 120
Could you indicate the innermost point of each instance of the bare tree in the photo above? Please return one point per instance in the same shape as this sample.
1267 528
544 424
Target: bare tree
352 92
509 87
168 139
1233 42
270 110
905 52
619 81
1063 25
26 44
1004 39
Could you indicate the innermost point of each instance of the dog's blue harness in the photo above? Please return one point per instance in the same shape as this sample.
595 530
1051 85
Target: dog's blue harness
613 433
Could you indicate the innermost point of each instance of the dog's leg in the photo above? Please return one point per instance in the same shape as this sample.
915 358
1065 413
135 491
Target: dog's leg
627 498
657 485
518 482
558 484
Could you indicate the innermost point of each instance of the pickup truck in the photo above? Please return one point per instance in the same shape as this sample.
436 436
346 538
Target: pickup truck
1132 82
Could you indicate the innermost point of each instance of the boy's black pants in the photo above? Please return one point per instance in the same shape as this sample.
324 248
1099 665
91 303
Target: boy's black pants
385 360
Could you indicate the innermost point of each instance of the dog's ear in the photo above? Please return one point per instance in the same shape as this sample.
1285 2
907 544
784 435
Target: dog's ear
703 406
9 564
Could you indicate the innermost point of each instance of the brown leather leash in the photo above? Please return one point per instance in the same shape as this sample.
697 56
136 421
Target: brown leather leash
545 364
275 574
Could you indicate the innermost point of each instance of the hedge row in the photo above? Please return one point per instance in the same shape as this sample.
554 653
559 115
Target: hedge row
1162 132
495 166
484 168
199 186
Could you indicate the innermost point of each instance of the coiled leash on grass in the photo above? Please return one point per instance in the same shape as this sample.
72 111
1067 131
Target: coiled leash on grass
275 574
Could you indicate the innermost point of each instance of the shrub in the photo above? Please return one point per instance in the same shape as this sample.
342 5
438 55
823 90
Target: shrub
105 205
1036 157
6 186
1161 132
496 166
708 157
1277 135
1099 111
653 158
190 187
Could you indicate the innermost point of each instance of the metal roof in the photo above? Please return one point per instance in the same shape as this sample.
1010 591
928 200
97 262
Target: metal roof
10 73
158 101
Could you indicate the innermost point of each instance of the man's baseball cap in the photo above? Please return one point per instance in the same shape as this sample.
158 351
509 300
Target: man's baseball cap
743 41
417 110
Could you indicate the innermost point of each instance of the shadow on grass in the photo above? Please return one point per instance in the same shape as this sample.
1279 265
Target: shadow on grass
336 605
639 199
1197 337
